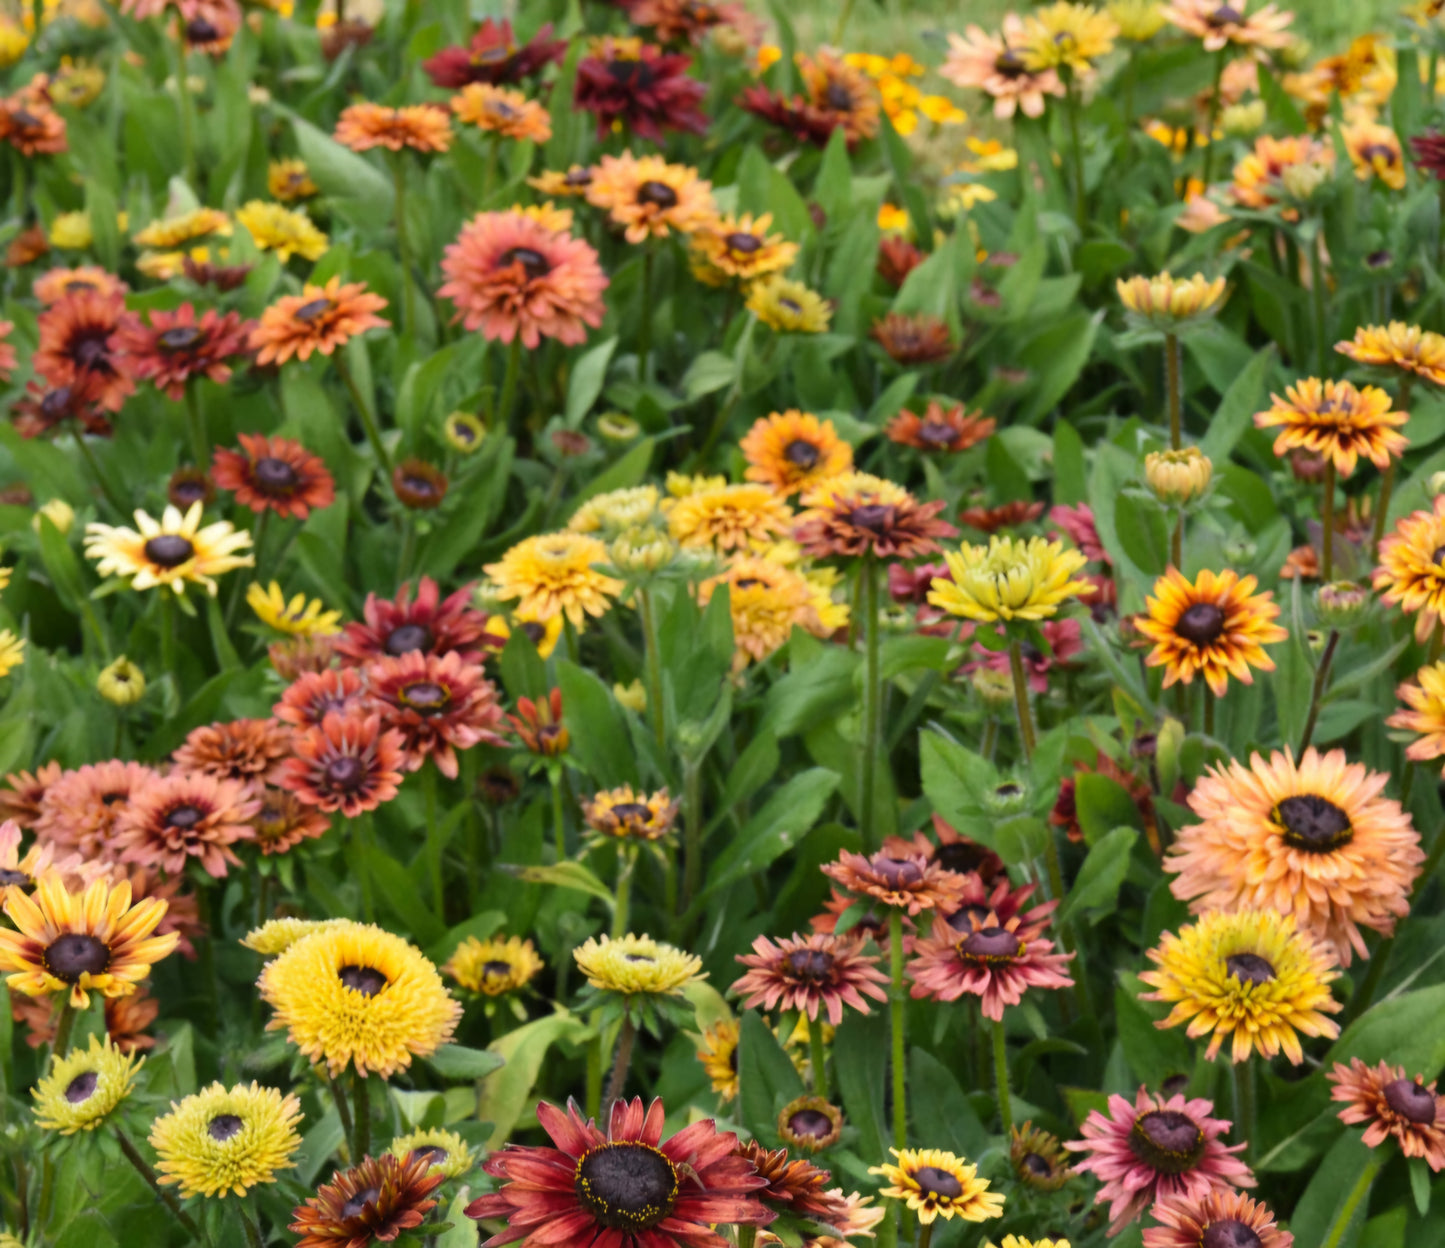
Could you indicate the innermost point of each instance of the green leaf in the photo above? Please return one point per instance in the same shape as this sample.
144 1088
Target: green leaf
1056 357
623 474
1420 1184
455 1061
860 1060
940 1109
1071 481
767 1078
1154 1055
1329 1188
1143 533
1402 1030
955 779
340 172
561 875
708 373
1097 885
1235 414
782 822
506 1096
463 1232
1103 804
589 374
597 726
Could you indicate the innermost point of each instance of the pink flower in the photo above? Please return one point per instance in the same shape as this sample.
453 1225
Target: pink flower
1078 524
1066 643
997 961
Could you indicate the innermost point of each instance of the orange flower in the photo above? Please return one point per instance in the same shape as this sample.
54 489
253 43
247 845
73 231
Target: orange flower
1393 1105
499 110
345 763
320 318
1398 345
793 450
940 428
29 124
54 284
650 198
274 474
79 346
421 127
1335 419
186 815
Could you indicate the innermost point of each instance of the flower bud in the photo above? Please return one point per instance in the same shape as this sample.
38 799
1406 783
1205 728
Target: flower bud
642 550
1340 604
633 696
60 513
994 687
1301 181
1009 797
122 683
464 432
1165 302
1437 483
1240 550
618 429
1178 477
1243 119
809 1124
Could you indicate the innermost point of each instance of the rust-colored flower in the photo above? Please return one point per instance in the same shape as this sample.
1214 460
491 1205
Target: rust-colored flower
673 21
372 1202
1392 1105
314 695
494 55
320 318
186 815
907 882
248 750
649 198
1223 1217
79 809
797 1187
897 258
915 338
427 623
29 124
284 821
44 408
274 474
23 790
54 284
438 703
79 345
500 111
1004 516
839 96
27 247
993 962
418 485
644 88
126 1019
940 428
793 450
509 274
808 973
224 277
539 725
175 346
345 763
857 514
421 127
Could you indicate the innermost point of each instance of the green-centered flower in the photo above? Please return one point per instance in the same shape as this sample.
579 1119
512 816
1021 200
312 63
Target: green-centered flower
1009 579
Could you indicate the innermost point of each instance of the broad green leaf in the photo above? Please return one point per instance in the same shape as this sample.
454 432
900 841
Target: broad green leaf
589 374
597 726
1247 395
507 1095
785 818
1103 804
455 1061
561 875
767 1078
1403 1031
860 1061
1096 888
940 1110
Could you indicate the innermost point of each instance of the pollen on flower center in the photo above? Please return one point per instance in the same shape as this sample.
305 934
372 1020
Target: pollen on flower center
1249 968
82 1087
1230 1233
169 550
1411 1100
1201 623
626 1186
75 954
366 980
1169 1141
224 1127
1313 823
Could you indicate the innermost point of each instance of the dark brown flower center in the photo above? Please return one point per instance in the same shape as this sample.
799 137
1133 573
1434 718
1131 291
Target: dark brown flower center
24 118
875 517
1038 1165
405 638
1201 624
274 474
657 194
936 1182
90 352
743 243
9 877
838 98
627 1187
1410 1099
74 954
345 773
1224 15
935 433
169 550
366 980
432 1154
801 453
198 30
1249 968
990 943
425 696
1313 824
1009 63
55 403
790 305
632 812
79 1089
535 632
534 263
500 969
578 178
898 872
1169 1141
308 312
185 490
960 856
966 918
353 1207
185 817
224 1127
812 1122
1230 1233
181 338
812 966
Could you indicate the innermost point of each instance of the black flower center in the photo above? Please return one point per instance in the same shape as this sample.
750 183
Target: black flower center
838 98
627 1186
960 856
79 1089
936 433
425 696
1009 63
632 812
499 969
182 338
1224 15
936 1182
1410 1099
185 817
1037 1164
308 312
169 550
74 954
966 918
274 474
743 243
1169 1141
405 638
345 773
198 30
55 403
353 1207
1201 624
990 943
224 1127
875 517
8 877
1249 968
812 966
1230 1233
813 1122
534 263
801 453
366 980
658 194
90 352
432 1154
898 872
1314 824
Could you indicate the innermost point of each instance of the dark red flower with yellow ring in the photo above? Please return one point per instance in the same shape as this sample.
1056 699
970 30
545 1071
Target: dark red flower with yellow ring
438 703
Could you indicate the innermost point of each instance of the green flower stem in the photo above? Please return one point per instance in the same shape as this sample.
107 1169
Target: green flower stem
60 1046
166 1198
1317 690
1174 388
258 536
1208 711
895 1005
251 1221
361 1105
168 632
403 246
691 830
872 696
925 1235
1387 482
1000 1078
343 1110
1357 1194
626 867
90 462
747 1236
990 737
1021 698
1244 1105
559 822
623 1061
656 709
1214 102
1176 541
183 98
364 413
502 417
1317 293
595 1054
361 848
842 26
1327 518
819 1056
1076 148
196 423
644 328
433 840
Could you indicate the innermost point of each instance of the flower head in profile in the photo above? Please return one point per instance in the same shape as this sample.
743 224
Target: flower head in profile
1392 1105
636 966
940 428
494 55
374 1201
224 1141
1397 345
248 750
494 967
718 1053
1038 1158
648 198
1337 420
277 935
809 973
420 127
445 1151
907 882
539 726
503 112
286 231
298 616
1009 579
29 123
858 514
646 90
1315 839
1248 976
556 573
320 318
626 1183
788 306
1423 713
1219 23
994 959
1166 303
1064 35
1154 1149
170 554
12 651
83 1088
274 474
937 1184
1227 1218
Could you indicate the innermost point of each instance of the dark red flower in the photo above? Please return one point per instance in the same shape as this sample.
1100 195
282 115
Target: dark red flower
419 485
275 474
175 347
897 258
224 277
1004 516
647 89
494 56
44 407
795 115
393 627
917 338
79 344
372 1202
439 704
1430 153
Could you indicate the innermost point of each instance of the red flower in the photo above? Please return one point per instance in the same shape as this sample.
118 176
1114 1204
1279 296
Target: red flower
373 1202
345 763
79 343
393 627
494 56
1066 642
897 258
439 704
647 89
274 474
539 725
1005 516
995 962
1078 524
312 696
626 1189
175 347
44 407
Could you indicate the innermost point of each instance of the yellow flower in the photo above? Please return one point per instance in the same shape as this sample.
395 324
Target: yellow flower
1065 34
1016 1241
71 231
729 518
932 1183
553 574
1138 20
76 84
12 652
1166 302
172 553
171 232
623 814
277 935
633 696
60 513
616 511
680 485
288 233
718 1053
1249 975
220 1141
941 110
290 180
299 617
1374 151
892 218
445 1150
1178 477
83 1087
13 42
121 683
636 966
789 306
993 157
1009 579
494 967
